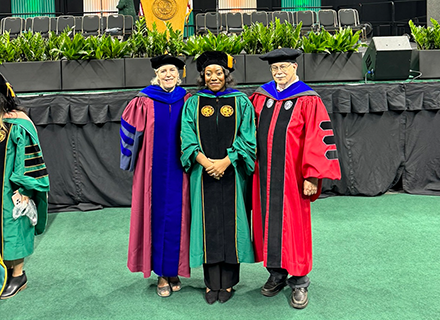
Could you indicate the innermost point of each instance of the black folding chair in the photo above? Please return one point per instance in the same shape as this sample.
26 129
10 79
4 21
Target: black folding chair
115 25
283 16
14 25
234 22
91 25
64 22
213 21
328 20
260 16
308 19
200 23
41 25
350 18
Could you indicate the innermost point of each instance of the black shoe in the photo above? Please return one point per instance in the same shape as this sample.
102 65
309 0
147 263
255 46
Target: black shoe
299 299
15 284
211 296
272 287
224 295
9 276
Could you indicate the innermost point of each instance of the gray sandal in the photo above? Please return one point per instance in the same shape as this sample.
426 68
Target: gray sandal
176 285
164 291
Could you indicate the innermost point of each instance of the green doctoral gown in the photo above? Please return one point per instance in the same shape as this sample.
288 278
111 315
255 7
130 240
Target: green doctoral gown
23 169
218 125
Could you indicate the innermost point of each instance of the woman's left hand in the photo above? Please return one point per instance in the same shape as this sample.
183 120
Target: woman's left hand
24 199
218 167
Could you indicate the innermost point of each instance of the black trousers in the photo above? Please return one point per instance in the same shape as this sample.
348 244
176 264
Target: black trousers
280 274
221 275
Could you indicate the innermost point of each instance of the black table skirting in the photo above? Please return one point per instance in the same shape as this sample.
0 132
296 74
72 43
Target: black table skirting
386 133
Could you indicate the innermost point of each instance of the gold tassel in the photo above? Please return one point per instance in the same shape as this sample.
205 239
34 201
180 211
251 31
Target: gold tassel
10 89
230 61
184 72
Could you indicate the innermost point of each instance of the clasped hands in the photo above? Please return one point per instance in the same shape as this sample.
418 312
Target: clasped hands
217 167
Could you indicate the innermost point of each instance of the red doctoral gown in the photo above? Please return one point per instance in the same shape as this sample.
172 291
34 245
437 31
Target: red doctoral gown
295 141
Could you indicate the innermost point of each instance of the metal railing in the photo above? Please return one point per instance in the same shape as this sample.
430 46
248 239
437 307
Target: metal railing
391 21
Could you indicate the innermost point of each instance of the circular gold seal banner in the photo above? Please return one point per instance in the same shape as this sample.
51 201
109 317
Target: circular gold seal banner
227 111
164 9
207 111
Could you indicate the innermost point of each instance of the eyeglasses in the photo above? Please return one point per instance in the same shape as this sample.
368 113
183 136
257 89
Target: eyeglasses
282 67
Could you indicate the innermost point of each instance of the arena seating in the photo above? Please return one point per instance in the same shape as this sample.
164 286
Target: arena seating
234 22
87 25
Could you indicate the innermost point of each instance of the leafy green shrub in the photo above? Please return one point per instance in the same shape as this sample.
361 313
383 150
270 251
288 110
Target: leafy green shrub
71 48
427 38
8 50
256 39
149 43
196 45
106 47
31 47
259 39
322 41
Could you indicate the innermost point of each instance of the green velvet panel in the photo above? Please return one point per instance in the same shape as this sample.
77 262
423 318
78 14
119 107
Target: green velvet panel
300 4
32 8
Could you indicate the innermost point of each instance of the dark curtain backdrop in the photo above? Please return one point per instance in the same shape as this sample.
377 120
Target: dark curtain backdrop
5 8
269 4
209 5
203 6
72 7
379 13
385 133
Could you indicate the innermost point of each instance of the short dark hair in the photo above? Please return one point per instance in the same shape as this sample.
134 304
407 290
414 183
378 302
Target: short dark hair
229 79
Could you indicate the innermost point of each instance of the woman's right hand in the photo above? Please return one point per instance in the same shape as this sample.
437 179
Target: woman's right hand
203 160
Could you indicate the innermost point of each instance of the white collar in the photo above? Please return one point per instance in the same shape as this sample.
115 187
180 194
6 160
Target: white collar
279 89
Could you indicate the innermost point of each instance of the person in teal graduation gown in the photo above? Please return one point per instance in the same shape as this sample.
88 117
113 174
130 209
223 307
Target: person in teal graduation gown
25 184
219 152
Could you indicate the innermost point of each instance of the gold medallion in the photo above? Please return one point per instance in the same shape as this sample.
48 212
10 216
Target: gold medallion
207 111
164 9
227 111
2 135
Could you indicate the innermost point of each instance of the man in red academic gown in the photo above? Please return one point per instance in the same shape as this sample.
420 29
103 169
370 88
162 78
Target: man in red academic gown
296 150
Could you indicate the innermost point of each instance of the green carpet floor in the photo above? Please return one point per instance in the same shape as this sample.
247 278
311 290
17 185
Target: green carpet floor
374 258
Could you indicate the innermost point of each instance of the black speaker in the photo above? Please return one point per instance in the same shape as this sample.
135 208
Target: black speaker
387 58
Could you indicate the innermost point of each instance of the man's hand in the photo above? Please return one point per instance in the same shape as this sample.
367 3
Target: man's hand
310 186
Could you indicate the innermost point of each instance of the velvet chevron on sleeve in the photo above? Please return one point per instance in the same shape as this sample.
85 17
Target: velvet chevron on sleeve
295 141
23 170
150 147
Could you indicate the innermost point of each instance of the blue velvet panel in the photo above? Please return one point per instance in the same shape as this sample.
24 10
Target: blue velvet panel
166 189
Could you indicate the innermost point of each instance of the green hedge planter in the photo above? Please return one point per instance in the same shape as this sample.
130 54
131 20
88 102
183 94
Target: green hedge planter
93 74
338 66
429 64
138 72
33 76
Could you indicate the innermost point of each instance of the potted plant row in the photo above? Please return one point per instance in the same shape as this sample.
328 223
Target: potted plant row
334 57
73 62
427 54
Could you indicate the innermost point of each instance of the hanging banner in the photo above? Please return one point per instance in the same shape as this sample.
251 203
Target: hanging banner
163 11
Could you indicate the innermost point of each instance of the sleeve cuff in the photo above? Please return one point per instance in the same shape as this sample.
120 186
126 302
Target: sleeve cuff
26 192
233 156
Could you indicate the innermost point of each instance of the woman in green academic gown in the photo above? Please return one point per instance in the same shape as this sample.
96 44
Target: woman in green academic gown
25 184
219 151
